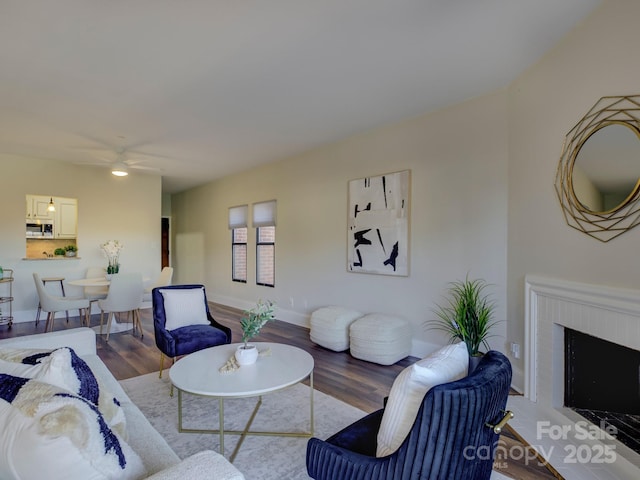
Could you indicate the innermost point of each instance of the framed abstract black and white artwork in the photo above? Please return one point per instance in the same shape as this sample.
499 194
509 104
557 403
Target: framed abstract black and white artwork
378 224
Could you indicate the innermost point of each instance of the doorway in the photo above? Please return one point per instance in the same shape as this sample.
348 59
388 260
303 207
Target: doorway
165 243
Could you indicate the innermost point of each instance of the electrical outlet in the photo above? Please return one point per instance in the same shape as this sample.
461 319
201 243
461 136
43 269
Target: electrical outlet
515 349
291 302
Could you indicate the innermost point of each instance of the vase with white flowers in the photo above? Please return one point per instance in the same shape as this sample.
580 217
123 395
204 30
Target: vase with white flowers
111 251
252 322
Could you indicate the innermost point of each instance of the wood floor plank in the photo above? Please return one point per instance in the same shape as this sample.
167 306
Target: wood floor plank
356 382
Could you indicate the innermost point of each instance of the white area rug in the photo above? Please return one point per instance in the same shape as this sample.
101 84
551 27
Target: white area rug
263 458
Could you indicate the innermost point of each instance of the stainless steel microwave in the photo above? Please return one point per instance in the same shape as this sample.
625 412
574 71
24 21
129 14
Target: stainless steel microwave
40 230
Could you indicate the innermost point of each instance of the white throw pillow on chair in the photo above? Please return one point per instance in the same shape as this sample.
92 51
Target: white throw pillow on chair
184 307
446 365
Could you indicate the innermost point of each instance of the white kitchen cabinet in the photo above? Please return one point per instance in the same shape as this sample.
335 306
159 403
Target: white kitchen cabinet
65 224
38 208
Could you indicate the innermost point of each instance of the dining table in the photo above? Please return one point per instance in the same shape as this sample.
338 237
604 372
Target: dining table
117 326
90 282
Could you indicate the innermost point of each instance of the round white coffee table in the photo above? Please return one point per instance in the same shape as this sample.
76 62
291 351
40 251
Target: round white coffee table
279 366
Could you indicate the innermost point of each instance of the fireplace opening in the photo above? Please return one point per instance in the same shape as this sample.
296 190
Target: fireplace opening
602 384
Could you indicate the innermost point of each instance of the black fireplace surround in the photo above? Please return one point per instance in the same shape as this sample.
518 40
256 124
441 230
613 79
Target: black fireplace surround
602 383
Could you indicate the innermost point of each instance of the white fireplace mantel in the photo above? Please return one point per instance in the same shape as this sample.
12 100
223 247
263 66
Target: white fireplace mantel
605 312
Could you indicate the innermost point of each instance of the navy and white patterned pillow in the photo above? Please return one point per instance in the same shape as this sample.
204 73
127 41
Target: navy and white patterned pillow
48 432
62 367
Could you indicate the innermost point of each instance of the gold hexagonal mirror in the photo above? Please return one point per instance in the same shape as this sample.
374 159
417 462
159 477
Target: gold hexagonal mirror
598 177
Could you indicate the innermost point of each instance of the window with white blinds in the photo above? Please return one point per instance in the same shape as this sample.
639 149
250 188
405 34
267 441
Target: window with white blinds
238 217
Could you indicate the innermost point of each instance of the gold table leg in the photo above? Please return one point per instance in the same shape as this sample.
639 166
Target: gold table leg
246 431
221 420
311 404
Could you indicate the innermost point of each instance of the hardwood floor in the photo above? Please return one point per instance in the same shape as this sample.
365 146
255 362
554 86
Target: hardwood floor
361 384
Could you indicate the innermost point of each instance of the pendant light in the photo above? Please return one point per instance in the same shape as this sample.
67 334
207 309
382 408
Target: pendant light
51 207
119 170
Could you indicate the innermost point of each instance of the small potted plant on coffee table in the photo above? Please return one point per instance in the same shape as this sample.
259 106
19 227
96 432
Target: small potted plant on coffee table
252 322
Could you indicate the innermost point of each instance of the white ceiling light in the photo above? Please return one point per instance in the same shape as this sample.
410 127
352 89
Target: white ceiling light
119 170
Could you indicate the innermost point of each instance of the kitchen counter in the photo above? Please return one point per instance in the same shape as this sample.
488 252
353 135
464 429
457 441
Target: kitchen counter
57 257
38 248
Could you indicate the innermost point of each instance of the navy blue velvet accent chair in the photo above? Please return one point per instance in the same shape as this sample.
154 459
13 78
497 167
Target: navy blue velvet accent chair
452 437
188 339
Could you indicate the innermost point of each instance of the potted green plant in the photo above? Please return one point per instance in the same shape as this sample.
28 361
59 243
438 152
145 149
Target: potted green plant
467 316
70 250
59 251
252 322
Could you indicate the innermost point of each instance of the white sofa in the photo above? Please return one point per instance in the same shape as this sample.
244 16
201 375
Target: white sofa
159 460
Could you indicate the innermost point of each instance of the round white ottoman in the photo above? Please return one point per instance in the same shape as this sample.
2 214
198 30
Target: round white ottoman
330 327
380 338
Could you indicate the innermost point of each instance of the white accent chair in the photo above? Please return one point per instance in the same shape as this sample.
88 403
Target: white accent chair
125 295
52 304
93 294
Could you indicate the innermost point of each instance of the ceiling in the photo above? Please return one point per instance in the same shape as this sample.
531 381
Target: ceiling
200 89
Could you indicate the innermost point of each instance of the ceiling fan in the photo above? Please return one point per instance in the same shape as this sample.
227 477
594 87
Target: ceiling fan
122 164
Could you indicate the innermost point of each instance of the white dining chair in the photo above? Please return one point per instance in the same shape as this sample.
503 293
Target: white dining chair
163 280
52 304
93 294
125 295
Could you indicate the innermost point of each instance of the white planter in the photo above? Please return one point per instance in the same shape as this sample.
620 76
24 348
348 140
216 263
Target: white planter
246 356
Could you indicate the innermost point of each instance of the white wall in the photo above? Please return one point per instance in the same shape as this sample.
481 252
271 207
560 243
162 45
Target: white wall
461 160
127 209
457 159
460 170
598 58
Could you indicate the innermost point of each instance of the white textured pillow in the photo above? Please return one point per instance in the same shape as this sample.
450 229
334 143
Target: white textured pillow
448 364
63 368
184 307
46 431
53 369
